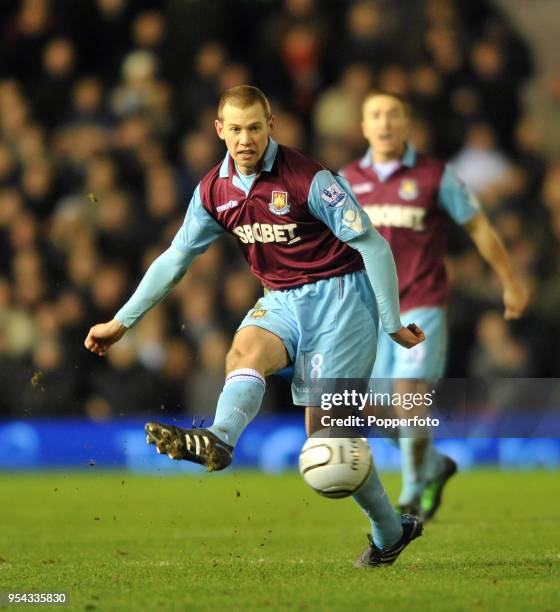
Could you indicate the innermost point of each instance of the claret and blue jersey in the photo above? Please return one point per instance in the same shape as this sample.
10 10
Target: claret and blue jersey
291 220
411 208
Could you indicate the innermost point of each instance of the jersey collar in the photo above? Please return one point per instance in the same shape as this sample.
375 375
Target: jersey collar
408 159
268 160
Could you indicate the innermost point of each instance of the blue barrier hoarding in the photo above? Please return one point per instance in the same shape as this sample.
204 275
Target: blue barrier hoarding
270 444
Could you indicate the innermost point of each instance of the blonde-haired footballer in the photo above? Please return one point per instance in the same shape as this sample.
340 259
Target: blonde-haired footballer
330 278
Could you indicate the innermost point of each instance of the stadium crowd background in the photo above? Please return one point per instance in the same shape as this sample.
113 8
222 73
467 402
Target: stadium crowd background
106 125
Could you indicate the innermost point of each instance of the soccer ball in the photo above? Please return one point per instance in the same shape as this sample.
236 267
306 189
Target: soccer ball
335 467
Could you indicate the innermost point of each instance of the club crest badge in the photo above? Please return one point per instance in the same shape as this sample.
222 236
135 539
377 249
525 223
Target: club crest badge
258 314
279 203
409 190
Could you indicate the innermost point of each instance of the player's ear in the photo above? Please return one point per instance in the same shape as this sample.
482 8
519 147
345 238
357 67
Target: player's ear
219 129
271 123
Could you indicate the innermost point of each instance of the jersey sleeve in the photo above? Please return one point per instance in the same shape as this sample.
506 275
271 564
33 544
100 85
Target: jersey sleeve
199 229
164 273
454 197
196 234
382 275
331 201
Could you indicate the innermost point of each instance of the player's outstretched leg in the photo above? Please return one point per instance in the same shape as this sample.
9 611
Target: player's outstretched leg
374 556
238 404
196 445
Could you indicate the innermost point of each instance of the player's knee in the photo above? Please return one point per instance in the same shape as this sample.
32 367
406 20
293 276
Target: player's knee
241 356
234 359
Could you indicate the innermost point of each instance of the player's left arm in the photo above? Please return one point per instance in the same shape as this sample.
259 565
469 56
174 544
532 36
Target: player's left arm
331 200
464 208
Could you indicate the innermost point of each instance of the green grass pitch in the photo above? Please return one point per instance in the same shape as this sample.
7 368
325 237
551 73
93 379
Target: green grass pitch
248 541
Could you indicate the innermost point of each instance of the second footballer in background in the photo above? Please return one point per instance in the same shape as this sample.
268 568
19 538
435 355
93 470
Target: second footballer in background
410 199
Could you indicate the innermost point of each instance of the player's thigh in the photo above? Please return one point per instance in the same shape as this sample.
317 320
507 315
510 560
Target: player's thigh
425 361
268 336
257 348
339 338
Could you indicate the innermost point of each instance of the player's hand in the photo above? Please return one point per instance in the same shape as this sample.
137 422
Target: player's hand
515 298
409 336
103 335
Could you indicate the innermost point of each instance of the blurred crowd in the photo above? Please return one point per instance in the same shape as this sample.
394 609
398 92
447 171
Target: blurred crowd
106 126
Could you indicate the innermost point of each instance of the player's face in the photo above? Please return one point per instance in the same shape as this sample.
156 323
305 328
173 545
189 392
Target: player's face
385 124
245 132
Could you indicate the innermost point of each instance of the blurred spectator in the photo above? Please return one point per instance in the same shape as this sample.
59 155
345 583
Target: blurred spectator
108 290
198 154
50 91
201 90
443 46
87 103
198 310
127 387
371 29
141 91
24 37
289 130
107 21
208 379
496 81
176 376
17 330
480 163
149 33
543 102
241 291
46 388
337 112
38 186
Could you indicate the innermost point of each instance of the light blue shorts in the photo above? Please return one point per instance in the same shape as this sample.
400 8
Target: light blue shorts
329 329
426 361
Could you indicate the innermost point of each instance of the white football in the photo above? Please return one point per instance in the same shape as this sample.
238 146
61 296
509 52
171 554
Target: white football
335 467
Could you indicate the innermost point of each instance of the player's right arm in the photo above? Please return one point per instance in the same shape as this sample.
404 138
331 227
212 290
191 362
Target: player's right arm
196 234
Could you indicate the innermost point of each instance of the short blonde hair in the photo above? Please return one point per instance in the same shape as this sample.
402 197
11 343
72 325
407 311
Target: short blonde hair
243 96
